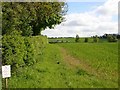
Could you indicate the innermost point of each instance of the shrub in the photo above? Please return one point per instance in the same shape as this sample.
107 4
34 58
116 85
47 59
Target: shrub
77 38
86 40
13 49
111 38
95 39
19 51
29 57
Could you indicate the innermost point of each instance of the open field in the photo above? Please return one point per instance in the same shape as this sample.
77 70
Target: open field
72 40
99 59
54 44
71 65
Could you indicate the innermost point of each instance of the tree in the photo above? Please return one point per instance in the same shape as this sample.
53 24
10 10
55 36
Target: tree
86 40
111 38
31 17
95 39
77 38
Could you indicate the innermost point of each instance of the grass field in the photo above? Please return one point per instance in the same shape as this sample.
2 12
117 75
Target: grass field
81 65
72 40
102 59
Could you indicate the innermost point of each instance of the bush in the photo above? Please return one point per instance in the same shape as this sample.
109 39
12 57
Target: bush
77 38
111 38
34 47
86 40
95 39
19 51
13 49
29 57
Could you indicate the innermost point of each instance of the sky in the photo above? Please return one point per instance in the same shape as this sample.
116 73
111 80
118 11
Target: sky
87 19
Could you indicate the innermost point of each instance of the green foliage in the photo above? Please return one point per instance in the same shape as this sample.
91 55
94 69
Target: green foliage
86 40
77 38
111 38
39 43
19 51
31 17
13 50
95 39
29 58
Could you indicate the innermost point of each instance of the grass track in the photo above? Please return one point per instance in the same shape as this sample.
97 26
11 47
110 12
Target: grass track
102 57
48 74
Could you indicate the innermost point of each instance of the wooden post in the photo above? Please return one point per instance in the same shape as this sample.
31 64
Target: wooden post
6 83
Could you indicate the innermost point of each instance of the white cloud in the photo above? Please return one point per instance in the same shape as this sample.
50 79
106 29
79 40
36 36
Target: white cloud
96 22
109 8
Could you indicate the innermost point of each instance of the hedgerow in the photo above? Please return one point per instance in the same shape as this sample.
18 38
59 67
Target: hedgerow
19 51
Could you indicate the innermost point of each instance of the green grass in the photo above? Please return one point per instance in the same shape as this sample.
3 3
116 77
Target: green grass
94 53
101 56
46 73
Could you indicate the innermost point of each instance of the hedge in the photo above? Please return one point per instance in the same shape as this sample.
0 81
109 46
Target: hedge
19 51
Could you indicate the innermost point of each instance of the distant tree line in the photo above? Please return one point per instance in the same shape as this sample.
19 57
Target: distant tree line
113 35
95 39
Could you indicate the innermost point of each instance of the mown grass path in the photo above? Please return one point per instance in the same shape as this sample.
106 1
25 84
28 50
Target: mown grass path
99 60
74 62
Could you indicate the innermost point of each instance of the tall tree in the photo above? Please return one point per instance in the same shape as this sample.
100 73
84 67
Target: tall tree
77 38
31 17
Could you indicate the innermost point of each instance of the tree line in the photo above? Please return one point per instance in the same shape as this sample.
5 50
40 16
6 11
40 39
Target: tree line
109 37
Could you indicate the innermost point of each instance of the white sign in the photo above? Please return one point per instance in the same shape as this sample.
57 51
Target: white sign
6 71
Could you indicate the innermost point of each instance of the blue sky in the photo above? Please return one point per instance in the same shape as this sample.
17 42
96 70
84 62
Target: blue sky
87 19
79 7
